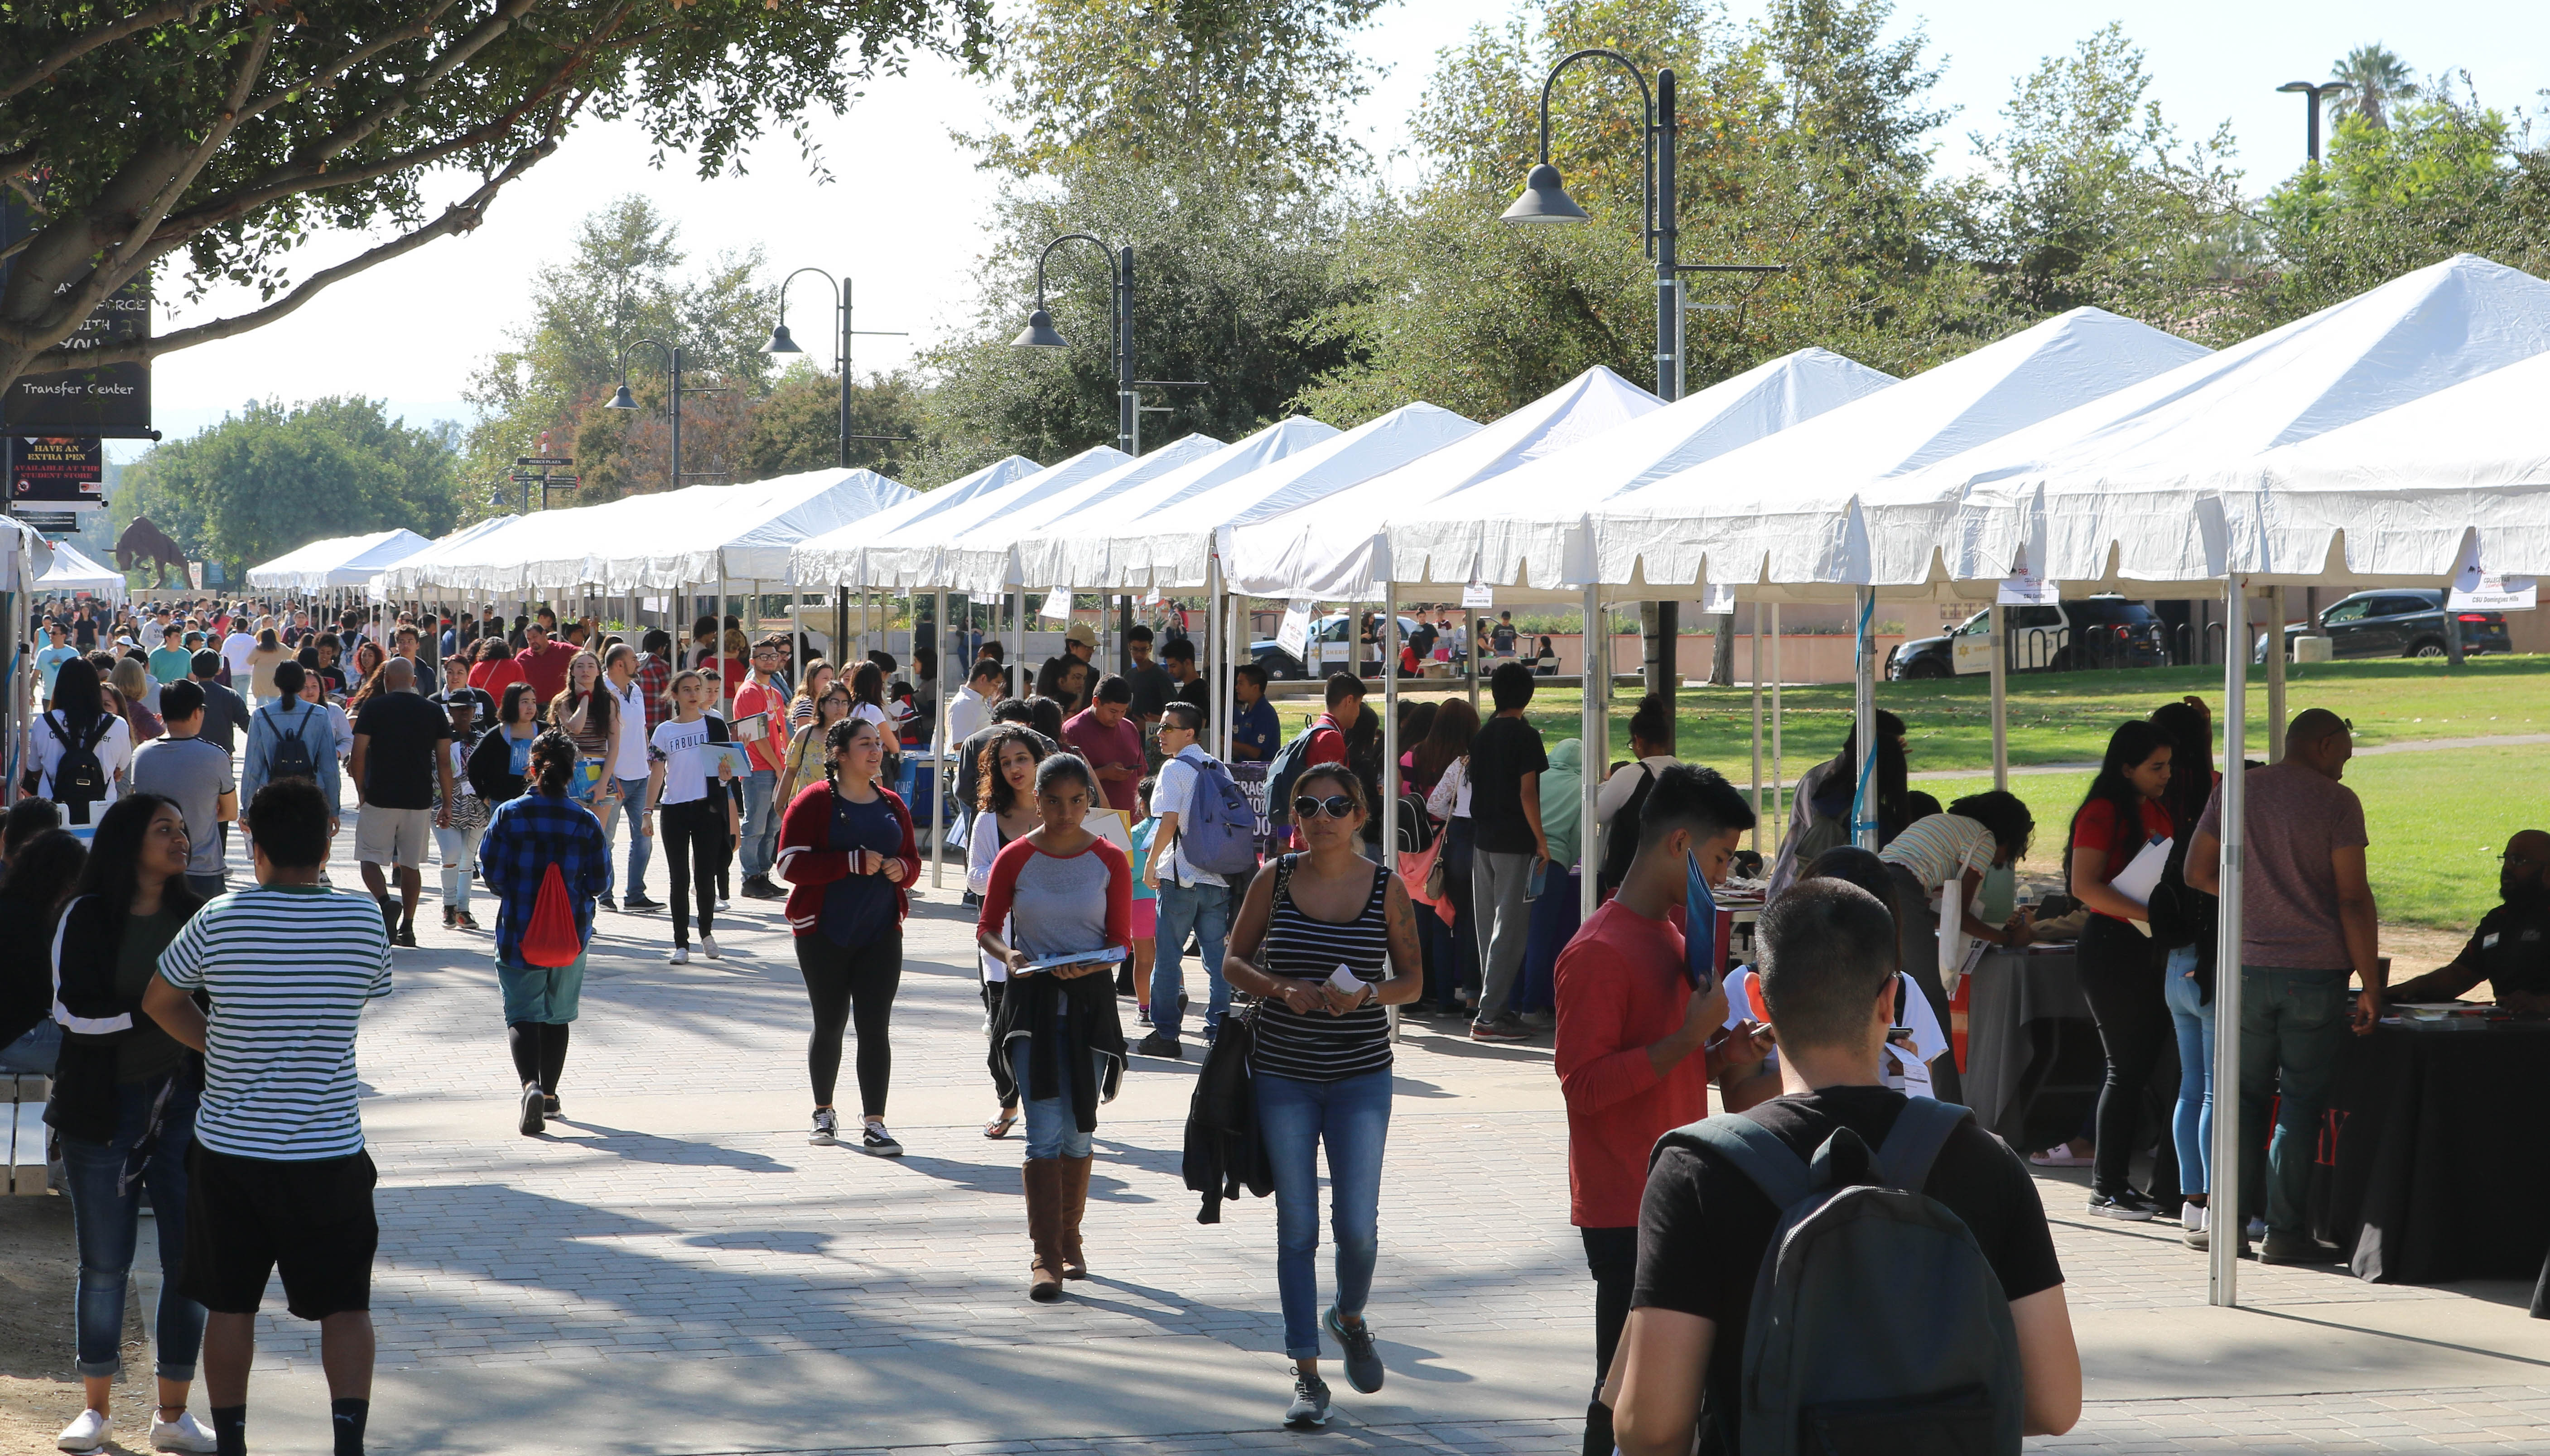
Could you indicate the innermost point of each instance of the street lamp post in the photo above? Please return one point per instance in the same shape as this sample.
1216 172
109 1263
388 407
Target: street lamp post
781 344
622 400
1040 332
2311 94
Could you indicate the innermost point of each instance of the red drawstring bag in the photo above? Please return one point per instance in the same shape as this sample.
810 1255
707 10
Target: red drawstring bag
549 940
1960 1021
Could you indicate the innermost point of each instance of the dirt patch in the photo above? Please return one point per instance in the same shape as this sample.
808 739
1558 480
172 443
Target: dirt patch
40 1392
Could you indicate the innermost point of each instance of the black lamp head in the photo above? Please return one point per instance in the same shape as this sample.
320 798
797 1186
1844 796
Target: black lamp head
1039 332
1544 200
622 400
780 342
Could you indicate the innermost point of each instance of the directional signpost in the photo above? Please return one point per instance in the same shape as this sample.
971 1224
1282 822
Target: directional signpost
542 470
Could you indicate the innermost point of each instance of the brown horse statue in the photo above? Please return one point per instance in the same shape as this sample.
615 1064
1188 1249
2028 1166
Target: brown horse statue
142 543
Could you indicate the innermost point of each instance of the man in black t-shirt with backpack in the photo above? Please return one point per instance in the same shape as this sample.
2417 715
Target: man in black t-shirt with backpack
1972 1320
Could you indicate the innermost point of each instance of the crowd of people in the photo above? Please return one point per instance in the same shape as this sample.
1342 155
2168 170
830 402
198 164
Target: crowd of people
202 1033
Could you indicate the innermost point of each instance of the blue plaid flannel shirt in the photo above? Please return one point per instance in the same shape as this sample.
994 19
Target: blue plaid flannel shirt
526 836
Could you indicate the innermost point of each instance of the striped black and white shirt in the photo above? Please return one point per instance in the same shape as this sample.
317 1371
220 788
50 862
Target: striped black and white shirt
1319 1047
288 969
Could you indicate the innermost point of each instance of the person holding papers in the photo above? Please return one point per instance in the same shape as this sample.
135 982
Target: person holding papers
1057 915
2120 839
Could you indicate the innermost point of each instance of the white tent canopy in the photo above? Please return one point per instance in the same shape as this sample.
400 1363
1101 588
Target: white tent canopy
339 562
2123 484
1529 523
73 571
1339 553
24 555
902 549
1779 511
420 571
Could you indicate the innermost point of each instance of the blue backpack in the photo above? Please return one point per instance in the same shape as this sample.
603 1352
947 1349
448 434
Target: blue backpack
1218 831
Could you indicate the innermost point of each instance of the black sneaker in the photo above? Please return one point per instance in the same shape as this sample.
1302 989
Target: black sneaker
876 1142
531 1124
607 902
1363 1362
404 935
640 904
551 1106
1309 1405
1158 1045
2295 1248
758 887
2130 1206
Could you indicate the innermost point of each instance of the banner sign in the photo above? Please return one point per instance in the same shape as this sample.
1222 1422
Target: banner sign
1716 601
2489 592
2024 588
56 473
1294 636
1057 604
1478 595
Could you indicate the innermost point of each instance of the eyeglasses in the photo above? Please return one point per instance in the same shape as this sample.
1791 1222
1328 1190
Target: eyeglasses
1334 805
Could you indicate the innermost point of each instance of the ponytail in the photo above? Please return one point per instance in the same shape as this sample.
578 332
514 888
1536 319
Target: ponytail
553 761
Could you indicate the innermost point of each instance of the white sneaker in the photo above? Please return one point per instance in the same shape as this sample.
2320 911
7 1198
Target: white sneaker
682 955
708 948
2192 1218
725 906
86 1432
184 1433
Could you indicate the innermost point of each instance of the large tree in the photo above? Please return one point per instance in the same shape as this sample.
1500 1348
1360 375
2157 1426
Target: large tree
270 478
213 138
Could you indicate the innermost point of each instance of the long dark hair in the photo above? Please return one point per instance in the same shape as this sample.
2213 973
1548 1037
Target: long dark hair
837 738
992 793
2128 748
113 871
867 685
2191 764
1456 722
77 695
1893 778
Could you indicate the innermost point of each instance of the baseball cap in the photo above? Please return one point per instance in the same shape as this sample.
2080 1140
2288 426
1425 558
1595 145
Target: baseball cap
1079 631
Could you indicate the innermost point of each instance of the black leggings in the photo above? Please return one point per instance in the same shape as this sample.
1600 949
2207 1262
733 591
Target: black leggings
1612 1254
851 984
539 1051
695 851
2120 975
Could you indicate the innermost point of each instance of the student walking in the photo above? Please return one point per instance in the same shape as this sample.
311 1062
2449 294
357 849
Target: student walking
588 712
456 842
1321 1063
808 757
544 831
123 1102
279 1177
78 752
845 848
196 776
1057 894
759 720
399 767
1192 898
691 803
1006 805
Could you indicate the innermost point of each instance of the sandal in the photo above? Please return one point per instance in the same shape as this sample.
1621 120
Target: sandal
1000 1126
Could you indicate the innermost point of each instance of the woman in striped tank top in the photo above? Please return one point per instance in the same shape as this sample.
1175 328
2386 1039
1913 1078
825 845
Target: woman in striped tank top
1321 1063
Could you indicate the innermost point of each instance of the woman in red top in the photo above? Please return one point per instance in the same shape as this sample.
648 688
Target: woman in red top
845 850
2120 968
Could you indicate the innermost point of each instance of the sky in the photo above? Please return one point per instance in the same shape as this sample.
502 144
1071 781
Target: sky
410 332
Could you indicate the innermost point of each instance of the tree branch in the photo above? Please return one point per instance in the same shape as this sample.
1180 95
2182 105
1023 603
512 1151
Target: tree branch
461 217
147 221
106 35
327 75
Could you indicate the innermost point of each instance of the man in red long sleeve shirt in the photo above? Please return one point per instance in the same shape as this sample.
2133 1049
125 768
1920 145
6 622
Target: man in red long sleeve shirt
1623 978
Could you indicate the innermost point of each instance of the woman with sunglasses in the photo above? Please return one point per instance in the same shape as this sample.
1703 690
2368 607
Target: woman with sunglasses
1058 913
806 758
1322 1062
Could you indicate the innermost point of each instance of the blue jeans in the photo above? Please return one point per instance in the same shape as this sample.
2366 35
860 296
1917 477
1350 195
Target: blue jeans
2191 1127
1205 910
106 1211
1052 1132
1352 1116
761 822
2293 1024
1553 918
641 846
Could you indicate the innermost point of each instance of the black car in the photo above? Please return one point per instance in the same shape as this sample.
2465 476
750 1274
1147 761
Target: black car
2094 632
2399 622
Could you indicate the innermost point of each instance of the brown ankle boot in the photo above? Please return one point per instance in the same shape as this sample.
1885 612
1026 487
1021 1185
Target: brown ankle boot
1075 1200
1043 1177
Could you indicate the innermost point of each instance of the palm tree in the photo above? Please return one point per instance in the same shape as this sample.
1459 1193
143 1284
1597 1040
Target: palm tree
2370 75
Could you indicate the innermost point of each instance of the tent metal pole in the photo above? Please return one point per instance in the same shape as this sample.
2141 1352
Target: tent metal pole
1470 651
1390 725
1594 675
1863 807
1756 636
1026 682
1779 779
2275 672
2222 1259
1994 638
938 748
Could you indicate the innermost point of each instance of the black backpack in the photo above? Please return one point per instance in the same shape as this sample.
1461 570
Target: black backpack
1622 844
79 779
290 758
1878 1329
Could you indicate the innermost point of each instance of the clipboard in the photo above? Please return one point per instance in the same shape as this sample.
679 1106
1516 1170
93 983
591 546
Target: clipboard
1107 955
730 755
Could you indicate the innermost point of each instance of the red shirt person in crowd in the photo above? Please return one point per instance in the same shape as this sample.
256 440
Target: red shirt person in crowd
1106 735
544 661
1630 1033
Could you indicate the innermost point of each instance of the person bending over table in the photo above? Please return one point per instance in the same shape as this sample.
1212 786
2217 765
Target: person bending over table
2511 948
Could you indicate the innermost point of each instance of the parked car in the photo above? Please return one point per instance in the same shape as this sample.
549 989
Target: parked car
2398 621
2095 631
1335 645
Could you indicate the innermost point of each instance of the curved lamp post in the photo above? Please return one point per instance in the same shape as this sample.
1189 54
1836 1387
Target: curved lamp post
781 344
621 398
1040 332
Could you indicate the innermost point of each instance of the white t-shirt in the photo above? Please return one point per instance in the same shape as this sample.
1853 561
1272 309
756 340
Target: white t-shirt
113 754
235 651
686 768
632 704
1173 794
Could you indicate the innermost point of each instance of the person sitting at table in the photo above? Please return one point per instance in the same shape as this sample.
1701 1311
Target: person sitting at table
2510 948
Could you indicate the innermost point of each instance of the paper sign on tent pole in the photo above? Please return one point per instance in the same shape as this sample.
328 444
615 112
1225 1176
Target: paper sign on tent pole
1716 601
2024 588
1294 636
1057 604
2478 590
1478 595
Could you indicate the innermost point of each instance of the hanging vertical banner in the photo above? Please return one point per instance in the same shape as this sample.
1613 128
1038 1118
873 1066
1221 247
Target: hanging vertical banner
1294 636
1057 604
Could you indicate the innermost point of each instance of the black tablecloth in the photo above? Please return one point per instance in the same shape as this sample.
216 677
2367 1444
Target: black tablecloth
2027 1031
2440 1164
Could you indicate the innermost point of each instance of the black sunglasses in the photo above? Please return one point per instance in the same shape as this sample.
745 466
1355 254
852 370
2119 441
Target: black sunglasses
1335 806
